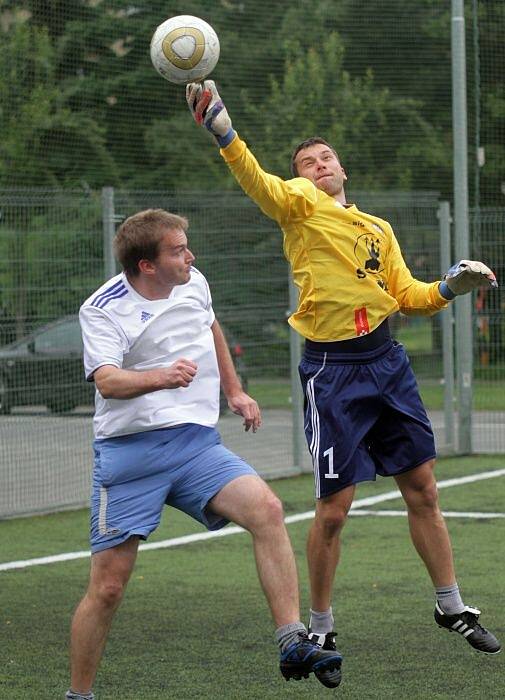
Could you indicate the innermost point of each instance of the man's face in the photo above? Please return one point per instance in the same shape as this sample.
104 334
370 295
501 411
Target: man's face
173 263
320 165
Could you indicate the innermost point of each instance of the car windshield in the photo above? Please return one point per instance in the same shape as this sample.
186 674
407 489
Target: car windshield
64 337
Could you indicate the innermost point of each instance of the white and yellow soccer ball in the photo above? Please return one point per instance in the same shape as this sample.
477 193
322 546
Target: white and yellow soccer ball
184 49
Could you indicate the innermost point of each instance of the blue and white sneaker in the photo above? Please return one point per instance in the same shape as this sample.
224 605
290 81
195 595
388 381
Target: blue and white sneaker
466 623
305 656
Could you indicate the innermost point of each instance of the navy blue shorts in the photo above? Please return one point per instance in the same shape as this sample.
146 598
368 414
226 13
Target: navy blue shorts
363 416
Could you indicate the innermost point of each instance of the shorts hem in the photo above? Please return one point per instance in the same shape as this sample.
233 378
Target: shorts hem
110 544
344 486
413 466
374 478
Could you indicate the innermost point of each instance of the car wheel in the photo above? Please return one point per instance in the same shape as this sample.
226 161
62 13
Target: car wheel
61 404
5 405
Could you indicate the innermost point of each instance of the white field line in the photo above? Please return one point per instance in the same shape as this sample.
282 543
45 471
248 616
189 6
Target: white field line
446 514
233 530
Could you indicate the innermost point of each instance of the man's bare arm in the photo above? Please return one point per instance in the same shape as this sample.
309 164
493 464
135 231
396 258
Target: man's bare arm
115 383
238 401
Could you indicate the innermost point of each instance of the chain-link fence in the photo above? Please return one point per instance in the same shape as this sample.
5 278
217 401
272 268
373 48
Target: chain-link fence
55 250
81 107
488 226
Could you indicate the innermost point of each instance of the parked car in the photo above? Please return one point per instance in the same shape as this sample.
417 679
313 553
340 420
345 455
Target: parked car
46 368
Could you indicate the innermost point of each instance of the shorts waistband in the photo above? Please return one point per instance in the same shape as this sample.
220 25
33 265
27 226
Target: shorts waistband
363 348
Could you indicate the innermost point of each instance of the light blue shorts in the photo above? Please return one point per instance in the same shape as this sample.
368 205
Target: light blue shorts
136 475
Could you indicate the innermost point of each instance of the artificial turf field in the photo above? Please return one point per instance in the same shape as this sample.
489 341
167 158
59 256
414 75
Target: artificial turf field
194 623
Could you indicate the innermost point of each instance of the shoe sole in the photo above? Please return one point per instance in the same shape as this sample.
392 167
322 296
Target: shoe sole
479 651
332 682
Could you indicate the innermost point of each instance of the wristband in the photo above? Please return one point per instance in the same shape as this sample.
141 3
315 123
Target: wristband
444 290
225 140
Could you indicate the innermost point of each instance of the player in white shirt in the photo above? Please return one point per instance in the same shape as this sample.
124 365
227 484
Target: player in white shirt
157 355
125 330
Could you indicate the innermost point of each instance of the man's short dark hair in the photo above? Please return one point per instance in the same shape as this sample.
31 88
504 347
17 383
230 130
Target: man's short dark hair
138 238
306 144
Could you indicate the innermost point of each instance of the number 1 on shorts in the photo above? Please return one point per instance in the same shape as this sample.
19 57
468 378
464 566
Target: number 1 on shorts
330 474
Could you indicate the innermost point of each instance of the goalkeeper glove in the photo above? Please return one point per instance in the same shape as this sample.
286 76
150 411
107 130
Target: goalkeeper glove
207 108
465 276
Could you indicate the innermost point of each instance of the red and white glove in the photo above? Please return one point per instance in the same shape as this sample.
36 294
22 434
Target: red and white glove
207 108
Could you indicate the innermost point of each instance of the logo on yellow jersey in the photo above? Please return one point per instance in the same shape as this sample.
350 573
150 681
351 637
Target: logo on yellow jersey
368 254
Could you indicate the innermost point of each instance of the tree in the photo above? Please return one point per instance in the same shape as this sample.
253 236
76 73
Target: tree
43 140
317 96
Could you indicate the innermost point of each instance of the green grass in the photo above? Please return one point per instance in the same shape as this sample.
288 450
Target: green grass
194 623
416 335
271 393
487 396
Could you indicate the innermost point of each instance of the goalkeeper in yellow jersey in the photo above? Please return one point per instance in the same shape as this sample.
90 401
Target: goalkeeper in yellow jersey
363 412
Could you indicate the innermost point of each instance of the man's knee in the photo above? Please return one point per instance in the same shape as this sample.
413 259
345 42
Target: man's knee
425 499
332 511
264 511
108 593
422 493
330 521
271 511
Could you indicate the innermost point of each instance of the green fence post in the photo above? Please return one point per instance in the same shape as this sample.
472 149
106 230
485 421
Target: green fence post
109 224
444 218
464 340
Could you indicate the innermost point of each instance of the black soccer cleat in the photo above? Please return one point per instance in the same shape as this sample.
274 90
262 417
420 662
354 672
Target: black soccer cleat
305 656
329 678
325 641
467 624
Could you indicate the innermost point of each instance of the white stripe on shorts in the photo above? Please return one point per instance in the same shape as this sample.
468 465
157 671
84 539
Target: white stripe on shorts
316 432
102 511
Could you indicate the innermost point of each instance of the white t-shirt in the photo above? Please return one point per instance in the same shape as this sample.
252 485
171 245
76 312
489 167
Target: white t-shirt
122 328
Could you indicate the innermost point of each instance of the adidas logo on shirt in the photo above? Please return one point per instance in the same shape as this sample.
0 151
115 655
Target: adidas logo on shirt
145 316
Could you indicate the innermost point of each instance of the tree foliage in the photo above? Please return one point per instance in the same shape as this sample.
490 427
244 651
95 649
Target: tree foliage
44 140
81 104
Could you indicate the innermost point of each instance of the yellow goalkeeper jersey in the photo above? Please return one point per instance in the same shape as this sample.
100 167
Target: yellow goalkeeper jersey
347 265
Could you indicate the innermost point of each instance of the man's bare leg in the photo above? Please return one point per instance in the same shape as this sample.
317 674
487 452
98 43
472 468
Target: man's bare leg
323 545
110 571
250 503
426 523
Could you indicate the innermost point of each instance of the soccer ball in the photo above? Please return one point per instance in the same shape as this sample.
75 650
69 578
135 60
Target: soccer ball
184 49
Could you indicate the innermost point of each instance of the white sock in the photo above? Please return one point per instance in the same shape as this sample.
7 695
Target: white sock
449 599
321 622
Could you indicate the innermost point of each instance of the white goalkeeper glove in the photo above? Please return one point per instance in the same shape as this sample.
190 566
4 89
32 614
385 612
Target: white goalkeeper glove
465 276
207 108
